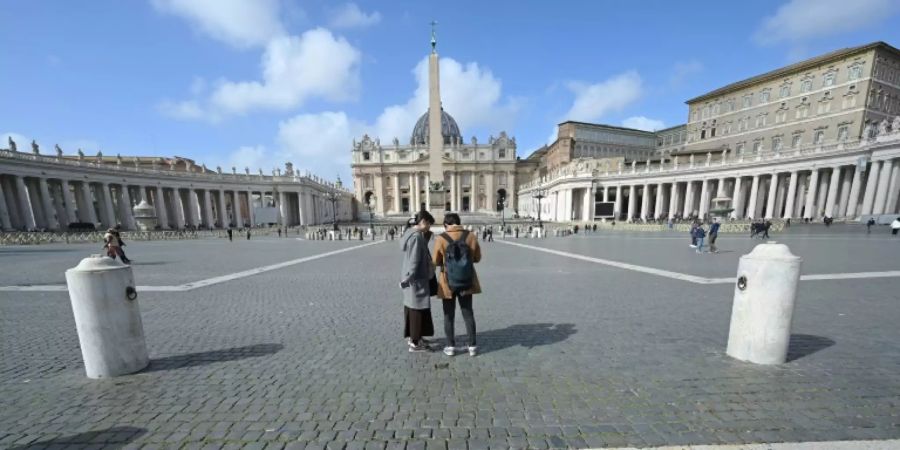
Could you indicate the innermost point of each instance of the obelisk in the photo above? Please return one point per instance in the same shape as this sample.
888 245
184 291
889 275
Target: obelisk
436 192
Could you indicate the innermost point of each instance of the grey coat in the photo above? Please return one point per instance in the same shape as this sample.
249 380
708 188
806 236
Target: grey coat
417 268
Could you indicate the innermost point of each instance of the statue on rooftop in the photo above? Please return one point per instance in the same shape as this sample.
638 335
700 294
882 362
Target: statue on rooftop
59 151
12 144
35 148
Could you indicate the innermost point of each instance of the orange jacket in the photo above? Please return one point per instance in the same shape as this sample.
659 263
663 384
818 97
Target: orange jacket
440 248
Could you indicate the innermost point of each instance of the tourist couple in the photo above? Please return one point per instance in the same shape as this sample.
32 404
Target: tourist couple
455 252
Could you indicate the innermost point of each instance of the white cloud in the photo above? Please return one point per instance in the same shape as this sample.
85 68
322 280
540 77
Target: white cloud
799 20
684 69
469 92
253 157
239 23
294 69
593 101
643 123
350 16
320 143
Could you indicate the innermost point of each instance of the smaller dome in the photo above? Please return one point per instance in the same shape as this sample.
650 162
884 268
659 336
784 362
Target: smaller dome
449 129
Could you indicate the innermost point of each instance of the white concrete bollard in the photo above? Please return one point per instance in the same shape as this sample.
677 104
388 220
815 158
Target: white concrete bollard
107 317
763 306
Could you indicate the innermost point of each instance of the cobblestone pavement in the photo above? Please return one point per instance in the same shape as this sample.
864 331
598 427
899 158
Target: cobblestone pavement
573 354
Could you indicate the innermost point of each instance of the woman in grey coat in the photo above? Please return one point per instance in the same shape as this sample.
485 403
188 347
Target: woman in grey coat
415 280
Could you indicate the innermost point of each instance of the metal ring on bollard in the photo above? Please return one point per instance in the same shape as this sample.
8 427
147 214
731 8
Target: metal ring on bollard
130 293
742 282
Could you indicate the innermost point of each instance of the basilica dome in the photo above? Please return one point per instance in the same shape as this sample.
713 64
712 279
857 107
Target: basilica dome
449 129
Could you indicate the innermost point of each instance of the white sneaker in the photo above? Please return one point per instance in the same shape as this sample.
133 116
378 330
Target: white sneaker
449 351
473 350
692 246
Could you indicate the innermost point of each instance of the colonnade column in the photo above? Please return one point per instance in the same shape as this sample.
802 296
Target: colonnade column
250 216
162 213
223 213
773 190
891 205
846 175
282 208
871 181
657 212
89 214
792 191
207 210
751 204
737 199
5 221
618 206
673 199
632 193
809 213
586 205
605 193
688 199
24 205
414 193
69 201
645 202
179 208
428 192
236 209
853 199
821 195
108 206
704 200
881 193
47 204
125 208
396 205
833 186
194 204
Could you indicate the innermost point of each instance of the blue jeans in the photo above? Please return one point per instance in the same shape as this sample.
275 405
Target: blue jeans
700 244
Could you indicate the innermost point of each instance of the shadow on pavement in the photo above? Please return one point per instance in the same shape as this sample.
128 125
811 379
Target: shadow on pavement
526 335
111 438
806 344
149 263
211 357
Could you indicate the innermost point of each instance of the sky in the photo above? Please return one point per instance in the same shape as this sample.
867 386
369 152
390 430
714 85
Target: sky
257 83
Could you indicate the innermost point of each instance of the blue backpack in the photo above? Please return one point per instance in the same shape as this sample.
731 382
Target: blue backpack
458 263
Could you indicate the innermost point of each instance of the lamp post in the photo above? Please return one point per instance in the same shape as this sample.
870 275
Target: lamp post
539 195
333 197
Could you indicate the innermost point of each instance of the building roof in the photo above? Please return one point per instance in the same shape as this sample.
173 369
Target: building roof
449 129
802 65
603 125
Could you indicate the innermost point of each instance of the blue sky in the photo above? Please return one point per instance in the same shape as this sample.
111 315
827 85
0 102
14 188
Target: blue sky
260 82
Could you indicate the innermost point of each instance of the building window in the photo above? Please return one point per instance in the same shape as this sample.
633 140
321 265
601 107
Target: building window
705 112
748 100
824 106
776 143
855 72
805 86
501 153
702 134
716 108
829 79
366 156
740 149
842 133
819 137
764 96
756 147
785 91
795 142
387 157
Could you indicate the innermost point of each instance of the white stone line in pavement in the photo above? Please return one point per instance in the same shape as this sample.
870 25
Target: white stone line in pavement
697 279
202 283
890 444
621 265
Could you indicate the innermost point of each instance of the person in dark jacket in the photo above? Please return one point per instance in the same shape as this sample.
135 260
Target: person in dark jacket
415 282
713 235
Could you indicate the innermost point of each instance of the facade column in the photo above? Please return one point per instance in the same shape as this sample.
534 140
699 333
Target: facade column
618 206
194 204
453 184
773 191
791 193
207 210
632 193
737 199
645 202
90 213
704 198
891 206
47 203
810 211
871 182
109 212
673 199
586 205
821 194
846 175
251 217
428 192
5 221
24 204
658 210
688 200
162 214
220 207
800 200
605 194
833 187
180 221
396 186
125 208
751 204
884 179
853 200
69 201
414 193
720 188
236 209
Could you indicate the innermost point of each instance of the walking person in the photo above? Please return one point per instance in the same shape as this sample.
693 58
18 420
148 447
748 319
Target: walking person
416 274
111 243
713 235
456 252
895 226
869 224
700 234
230 234
248 234
693 233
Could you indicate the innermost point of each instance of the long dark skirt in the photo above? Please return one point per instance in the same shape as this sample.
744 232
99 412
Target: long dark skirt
417 323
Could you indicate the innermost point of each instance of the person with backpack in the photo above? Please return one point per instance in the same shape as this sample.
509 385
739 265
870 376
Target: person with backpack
456 251
416 274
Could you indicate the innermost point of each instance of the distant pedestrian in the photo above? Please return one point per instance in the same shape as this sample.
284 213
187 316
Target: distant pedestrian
490 234
701 234
895 226
713 235
391 233
248 234
279 231
230 233
869 224
765 229
415 279
693 233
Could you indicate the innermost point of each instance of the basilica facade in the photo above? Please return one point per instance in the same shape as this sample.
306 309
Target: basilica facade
394 179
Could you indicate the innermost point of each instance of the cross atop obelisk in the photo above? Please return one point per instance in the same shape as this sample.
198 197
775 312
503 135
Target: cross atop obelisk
436 201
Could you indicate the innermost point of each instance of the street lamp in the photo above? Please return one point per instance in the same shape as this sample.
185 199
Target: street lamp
333 197
540 194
